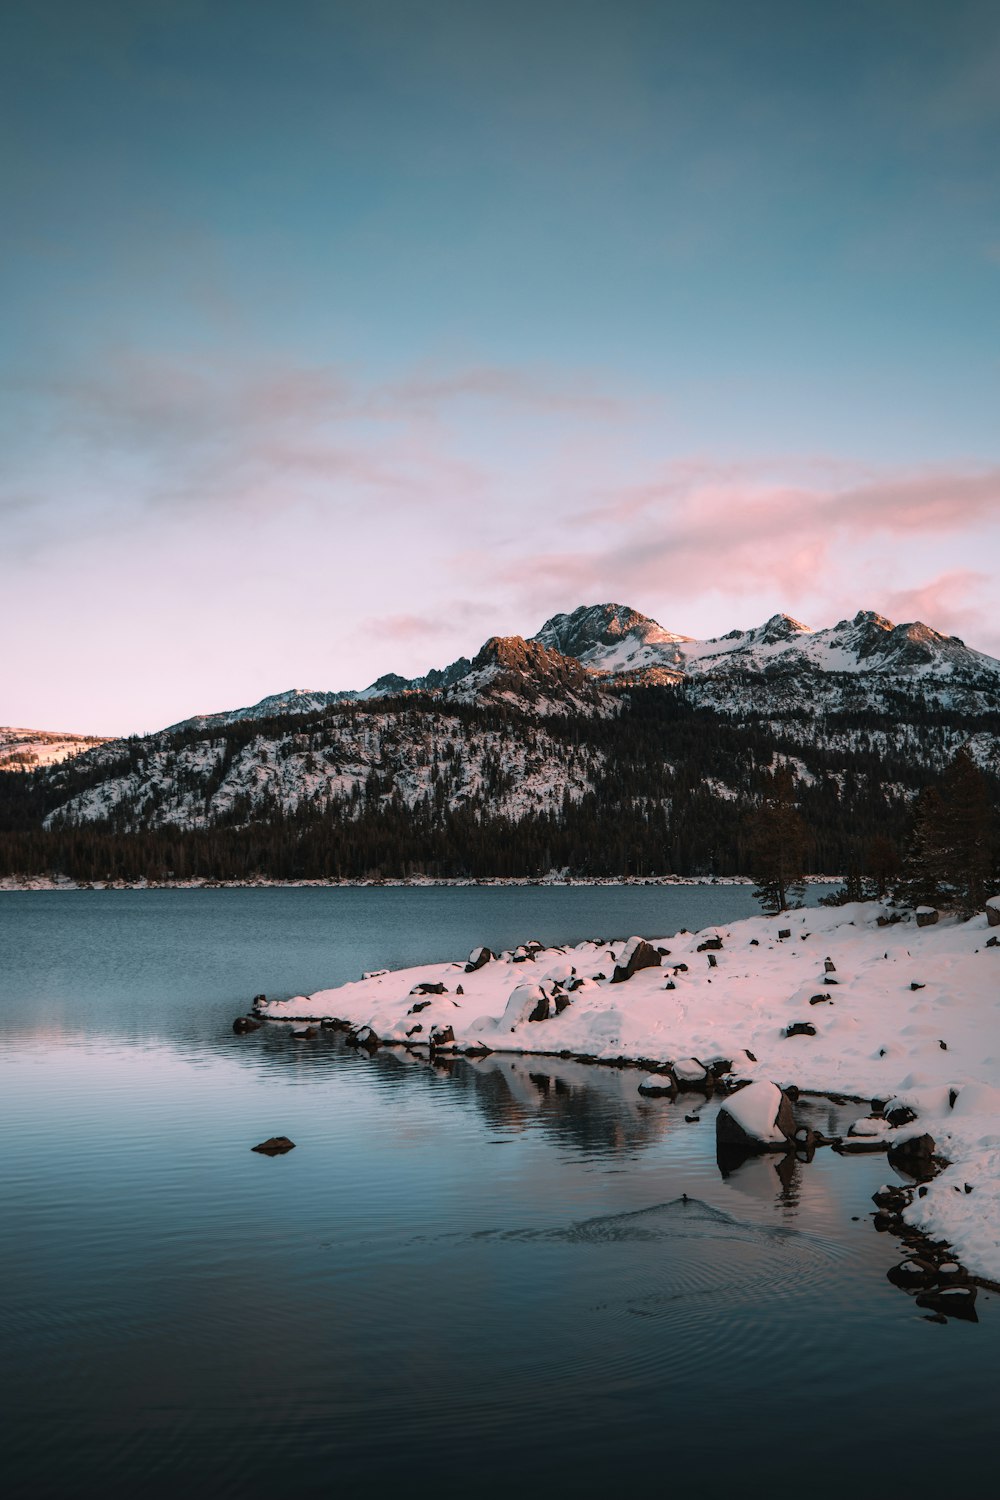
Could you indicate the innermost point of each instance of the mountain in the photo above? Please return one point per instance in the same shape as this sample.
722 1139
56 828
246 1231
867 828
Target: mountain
596 742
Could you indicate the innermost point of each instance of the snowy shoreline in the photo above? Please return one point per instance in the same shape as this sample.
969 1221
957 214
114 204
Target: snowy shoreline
415 882
857 1001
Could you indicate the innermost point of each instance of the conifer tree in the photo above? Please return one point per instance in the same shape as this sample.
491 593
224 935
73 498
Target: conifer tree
777 838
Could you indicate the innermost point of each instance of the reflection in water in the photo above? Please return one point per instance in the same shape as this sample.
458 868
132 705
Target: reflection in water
399 1300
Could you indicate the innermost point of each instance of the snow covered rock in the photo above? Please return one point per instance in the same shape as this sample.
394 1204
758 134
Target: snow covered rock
656 1084
756 1118
636 954
532 1002
691 1074
926 916
993 911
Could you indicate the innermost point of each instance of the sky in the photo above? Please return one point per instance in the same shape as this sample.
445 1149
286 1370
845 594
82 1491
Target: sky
340 335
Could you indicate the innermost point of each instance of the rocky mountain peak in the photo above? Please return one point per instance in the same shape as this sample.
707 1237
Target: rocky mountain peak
592 626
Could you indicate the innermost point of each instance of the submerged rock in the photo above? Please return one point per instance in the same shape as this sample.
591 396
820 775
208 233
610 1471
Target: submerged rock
243 1024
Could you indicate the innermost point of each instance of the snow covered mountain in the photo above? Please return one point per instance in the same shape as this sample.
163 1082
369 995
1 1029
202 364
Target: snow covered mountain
528 726
618 647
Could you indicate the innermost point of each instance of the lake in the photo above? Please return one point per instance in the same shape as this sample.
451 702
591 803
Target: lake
489 1276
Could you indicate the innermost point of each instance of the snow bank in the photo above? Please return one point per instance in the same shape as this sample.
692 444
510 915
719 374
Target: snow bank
875 1035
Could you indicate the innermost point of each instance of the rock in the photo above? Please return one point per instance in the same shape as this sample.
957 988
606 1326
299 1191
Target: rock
951 1301
276 1145
915 986
784 932
710 945
417 1007
829 966
926 916
912 1274
365 1038
306 1033
893 1197
899 1114
756 1118
477 958
531 1002
915 1156
243 1024
680 968
691 1074
993 942
442 1036
655 1085
713 962
636 954
993 911
258 1001
459 989
819 999
426 988
800 1028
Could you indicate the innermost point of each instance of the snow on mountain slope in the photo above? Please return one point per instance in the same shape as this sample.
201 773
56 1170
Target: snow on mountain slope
24 749
358 760
292 701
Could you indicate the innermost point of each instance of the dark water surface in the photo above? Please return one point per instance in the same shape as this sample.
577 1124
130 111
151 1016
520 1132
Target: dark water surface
477 1278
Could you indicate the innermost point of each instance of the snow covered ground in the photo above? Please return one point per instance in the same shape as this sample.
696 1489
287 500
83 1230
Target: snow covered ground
899 1012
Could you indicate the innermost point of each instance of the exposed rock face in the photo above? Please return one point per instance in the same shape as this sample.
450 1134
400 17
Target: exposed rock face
756 1118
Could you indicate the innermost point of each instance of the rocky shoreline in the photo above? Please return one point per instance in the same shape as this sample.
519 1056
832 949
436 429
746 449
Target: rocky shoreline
896 1013
416 882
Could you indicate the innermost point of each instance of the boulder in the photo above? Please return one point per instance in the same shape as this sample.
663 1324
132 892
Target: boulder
899 1114
756 1118
993 911
926 916
915 1156
442 1036
528 1002
275 1145
691 1074
800 1028
243 1024
654 1085
951 1302
636 954
477 958
365 1038
427 988
710 945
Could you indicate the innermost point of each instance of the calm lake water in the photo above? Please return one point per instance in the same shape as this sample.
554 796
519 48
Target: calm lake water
476 1278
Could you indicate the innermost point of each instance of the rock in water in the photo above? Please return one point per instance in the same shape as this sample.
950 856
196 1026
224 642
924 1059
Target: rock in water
276 1145
756 1118
243 1024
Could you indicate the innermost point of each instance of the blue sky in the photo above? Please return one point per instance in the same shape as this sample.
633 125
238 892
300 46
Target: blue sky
339 336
